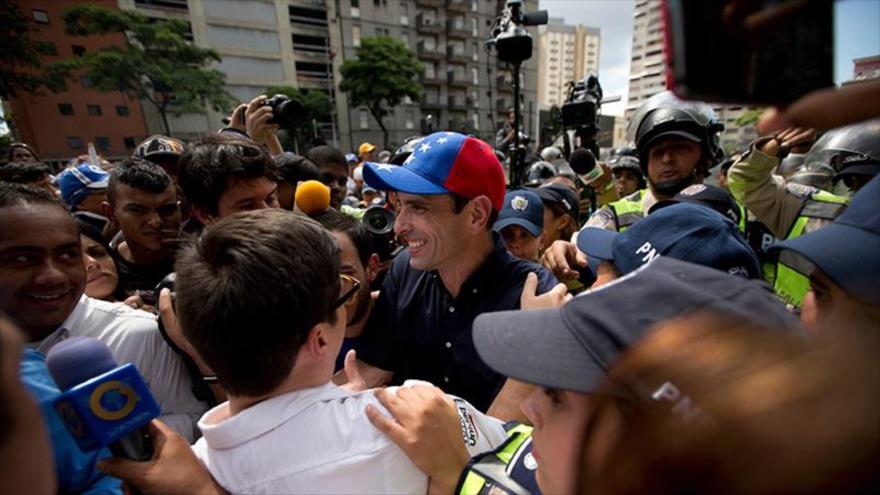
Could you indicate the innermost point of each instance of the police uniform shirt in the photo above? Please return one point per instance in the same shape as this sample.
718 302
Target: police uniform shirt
418 330
318 440
133 337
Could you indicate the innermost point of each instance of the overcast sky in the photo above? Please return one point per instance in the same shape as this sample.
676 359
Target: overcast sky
615 19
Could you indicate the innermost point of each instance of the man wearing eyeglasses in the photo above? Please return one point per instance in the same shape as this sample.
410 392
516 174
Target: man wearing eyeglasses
360 264
262 300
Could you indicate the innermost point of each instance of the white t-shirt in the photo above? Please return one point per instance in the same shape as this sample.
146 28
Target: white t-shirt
318 440
133 337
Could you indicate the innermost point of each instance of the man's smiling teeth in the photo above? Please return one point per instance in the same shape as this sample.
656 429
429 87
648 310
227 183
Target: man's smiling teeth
47 297
417 244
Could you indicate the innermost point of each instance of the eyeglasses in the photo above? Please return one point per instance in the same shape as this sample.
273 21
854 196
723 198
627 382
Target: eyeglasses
348 288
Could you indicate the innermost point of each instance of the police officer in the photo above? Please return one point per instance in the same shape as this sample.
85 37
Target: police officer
627 173
677 143
790 210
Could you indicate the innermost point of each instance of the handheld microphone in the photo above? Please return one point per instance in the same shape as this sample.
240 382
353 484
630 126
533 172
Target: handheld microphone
583 163
101 404
312 197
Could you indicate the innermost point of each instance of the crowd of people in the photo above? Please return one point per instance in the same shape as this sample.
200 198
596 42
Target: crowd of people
665 335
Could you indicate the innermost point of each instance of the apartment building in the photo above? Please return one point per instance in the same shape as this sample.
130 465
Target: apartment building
565 54
60 126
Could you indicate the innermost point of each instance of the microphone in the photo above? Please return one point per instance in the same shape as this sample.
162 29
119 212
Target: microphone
583 162
312 197
101 404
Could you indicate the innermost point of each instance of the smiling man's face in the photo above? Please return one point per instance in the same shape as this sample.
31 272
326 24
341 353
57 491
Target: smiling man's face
42 274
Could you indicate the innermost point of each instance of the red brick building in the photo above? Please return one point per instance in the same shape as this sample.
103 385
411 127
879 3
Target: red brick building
60 126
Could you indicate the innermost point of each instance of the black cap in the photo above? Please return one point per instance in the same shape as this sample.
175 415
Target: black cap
574 346
557 193
703 194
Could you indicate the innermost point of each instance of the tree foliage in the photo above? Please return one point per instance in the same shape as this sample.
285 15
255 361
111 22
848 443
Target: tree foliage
20 66
384 72
749 117
157 64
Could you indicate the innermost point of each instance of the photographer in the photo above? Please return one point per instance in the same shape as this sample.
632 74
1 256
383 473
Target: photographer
257 120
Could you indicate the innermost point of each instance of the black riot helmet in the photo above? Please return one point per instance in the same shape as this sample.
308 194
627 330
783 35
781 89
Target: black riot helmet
665 115
627 162
539 172
849 150
404 150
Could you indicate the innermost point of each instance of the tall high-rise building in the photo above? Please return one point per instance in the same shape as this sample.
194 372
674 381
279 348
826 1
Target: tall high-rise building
60 125
565 54
648 76
465 88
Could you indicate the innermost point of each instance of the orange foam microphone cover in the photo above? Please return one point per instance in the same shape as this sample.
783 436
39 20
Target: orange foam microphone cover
312 197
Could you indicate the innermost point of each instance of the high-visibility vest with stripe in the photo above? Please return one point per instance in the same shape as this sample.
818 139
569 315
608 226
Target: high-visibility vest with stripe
628 210
789 278
490 472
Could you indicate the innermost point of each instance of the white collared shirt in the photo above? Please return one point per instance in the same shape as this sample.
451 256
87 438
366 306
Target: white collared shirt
316 440
133 337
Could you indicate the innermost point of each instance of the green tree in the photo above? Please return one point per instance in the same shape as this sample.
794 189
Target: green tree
157 64
20 66
316 109
384 72
749 117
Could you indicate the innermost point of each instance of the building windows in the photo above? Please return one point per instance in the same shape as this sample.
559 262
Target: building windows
94 110
65 109
410 119
475 75
356 35
355 8
74 142
122 111
383 31
78 50
363 119
129 142
307 16
40 16
380 3
474 29
404 14
475 120
102 143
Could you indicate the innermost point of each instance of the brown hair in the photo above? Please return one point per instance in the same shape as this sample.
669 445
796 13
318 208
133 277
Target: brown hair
715 405
250 291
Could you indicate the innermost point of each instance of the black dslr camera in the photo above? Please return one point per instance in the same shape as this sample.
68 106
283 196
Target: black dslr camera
379 222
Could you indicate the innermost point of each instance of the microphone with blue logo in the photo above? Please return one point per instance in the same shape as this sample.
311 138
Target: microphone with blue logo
101 403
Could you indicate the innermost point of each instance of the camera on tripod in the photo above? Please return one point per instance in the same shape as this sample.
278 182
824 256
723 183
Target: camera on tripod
511 40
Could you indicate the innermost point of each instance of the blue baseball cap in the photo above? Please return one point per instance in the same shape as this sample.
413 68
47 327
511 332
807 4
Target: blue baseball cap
78 182
848 249
443 163
683 231
573 347
524 208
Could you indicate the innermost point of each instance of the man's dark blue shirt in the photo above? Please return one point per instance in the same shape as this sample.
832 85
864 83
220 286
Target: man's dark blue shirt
418 330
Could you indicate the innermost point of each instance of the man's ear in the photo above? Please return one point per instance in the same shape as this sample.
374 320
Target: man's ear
372 268
480 212
316 342
108 210
203 216
541 245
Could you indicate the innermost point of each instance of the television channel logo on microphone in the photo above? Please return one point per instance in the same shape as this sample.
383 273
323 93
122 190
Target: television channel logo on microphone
106 408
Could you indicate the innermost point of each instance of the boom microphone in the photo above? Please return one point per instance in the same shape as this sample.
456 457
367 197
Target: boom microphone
312 197
101 404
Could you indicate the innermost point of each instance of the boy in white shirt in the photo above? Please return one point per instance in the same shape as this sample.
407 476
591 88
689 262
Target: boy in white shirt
261 299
